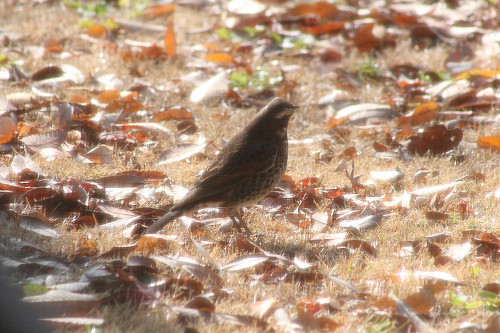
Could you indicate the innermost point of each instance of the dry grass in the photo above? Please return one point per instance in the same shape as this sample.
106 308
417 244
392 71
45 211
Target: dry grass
373 275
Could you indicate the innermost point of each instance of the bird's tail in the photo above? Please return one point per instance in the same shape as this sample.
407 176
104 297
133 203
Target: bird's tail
162 221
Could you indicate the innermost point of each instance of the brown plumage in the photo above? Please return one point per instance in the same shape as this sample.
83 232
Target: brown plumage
247 168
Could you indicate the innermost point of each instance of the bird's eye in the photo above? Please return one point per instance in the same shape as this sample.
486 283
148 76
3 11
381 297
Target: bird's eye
284 113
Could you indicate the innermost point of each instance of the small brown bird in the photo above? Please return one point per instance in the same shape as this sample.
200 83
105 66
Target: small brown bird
247 168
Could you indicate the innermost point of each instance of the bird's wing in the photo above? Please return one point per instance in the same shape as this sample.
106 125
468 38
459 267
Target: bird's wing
229 166
232 167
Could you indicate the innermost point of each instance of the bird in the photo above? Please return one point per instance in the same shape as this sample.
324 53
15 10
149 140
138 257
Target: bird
247 168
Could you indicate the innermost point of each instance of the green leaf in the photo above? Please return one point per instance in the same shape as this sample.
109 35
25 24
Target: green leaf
473 305
488 295
475 271
239 79
457 299
72 4
84 24
110 24
276 37
251 31
34 289
223 33
229 35
369 70
303 40
101 9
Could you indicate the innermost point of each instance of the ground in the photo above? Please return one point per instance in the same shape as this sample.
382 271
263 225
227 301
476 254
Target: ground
386 262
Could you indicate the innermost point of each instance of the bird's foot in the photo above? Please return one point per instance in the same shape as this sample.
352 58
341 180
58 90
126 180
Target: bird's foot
238 223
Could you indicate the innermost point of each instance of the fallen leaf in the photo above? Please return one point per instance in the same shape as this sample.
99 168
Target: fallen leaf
321 9
63 322
157 9
424 113
210 89
436 140
179 153
59 302
246 261
326 28
263 309
108 96
176 113
489 142
364 223
169 39
96 30
219 57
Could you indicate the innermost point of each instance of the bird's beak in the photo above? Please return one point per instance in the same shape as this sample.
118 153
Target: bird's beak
295 107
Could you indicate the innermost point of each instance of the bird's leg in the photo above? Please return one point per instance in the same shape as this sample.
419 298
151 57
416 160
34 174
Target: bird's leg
238 221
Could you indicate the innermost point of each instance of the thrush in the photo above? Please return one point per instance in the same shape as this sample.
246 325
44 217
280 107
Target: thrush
246 169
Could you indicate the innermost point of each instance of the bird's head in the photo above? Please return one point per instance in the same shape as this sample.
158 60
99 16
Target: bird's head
280 108
273 119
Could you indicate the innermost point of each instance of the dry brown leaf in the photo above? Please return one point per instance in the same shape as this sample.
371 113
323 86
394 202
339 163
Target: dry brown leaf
151 52
84 247
201 303
478 72
169 40
96 30
436 216
7 129
156 9
489 142
328 239
219 57
100 155
145 128
263 309
349 153
424 113
153 242
334 122
53 45
245 262
108 96
379 147
404 124
118 251
46 73
364 38
424 300
326 28
176 112
357 244
384 303
320 9
23 167
436 140
38 226
493 324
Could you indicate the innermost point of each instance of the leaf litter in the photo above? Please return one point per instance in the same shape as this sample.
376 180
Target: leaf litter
82 149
